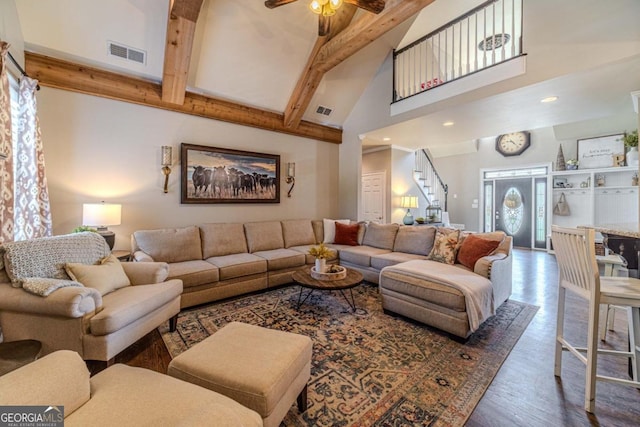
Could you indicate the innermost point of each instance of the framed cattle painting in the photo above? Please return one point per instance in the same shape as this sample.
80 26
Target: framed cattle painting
221 175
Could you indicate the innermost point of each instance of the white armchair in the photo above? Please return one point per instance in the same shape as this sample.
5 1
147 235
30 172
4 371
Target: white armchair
108 306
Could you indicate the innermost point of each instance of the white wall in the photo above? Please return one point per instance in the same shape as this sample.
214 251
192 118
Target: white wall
462 172
10 31
98 149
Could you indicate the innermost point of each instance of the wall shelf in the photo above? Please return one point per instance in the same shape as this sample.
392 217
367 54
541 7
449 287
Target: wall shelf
615 202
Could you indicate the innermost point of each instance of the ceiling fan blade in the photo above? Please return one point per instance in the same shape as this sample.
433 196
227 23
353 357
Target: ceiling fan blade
271 4
374 6
324 25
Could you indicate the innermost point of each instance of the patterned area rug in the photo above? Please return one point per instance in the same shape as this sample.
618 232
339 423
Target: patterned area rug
370 368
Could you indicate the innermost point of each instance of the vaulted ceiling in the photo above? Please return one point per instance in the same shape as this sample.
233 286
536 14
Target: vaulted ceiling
268 68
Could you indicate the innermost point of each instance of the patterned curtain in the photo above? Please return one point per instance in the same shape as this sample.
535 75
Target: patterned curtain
6 163
32 209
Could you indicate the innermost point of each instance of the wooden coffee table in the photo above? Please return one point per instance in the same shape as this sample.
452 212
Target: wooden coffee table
303 278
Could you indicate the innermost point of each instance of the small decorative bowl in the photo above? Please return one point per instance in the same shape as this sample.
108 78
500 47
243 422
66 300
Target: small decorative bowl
341 274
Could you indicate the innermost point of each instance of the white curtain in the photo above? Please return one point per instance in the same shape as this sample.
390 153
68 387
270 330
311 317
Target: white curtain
6 152
32 209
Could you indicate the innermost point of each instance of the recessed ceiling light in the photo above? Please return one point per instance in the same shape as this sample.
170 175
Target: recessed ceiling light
449 123
386 138
549 99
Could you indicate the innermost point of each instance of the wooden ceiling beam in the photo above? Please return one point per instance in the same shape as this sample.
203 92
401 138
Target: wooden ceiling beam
181 29
60 74
343 44
365 30
310 79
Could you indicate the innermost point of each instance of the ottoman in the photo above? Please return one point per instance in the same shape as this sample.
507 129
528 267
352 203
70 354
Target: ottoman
262 369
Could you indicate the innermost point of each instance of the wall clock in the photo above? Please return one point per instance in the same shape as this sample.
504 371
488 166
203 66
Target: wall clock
513 144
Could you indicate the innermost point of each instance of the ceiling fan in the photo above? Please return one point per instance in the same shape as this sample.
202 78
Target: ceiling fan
328 8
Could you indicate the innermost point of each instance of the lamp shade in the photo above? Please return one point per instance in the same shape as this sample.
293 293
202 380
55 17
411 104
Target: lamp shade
409 202
101 214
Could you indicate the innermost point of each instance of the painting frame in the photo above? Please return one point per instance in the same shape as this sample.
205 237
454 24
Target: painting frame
598 152
251 177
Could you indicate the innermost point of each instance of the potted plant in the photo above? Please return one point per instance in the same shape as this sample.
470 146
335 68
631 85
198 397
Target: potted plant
82 228
321 253
631 141
572 164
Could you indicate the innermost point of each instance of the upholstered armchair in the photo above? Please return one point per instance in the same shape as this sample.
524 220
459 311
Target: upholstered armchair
70 293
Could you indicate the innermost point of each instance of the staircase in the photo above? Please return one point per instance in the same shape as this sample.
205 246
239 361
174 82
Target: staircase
429 182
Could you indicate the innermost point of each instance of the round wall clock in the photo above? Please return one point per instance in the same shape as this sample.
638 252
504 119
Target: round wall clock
513 144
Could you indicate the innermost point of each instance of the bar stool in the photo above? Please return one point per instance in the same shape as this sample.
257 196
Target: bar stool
614 266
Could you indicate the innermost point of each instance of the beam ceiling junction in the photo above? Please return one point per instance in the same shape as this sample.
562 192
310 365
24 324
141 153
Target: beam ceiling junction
60 74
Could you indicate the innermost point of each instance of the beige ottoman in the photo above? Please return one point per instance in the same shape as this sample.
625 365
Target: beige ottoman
262 369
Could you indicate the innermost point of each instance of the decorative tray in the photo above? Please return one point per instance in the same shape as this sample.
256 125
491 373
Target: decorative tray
339 275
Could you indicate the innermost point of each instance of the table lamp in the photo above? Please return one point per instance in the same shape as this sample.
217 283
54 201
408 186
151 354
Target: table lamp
102 215
408 202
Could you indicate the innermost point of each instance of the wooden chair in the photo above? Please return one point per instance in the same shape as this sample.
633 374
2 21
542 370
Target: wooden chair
578 273
610 265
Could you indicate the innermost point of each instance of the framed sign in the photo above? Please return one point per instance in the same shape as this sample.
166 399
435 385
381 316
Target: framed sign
600 152
221 175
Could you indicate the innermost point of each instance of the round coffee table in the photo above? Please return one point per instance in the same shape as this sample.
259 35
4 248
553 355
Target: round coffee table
303 278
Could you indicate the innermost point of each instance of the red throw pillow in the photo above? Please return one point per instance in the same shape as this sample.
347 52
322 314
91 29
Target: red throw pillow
347 234
473 248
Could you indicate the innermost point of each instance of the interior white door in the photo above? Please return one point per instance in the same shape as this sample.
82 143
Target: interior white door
373 196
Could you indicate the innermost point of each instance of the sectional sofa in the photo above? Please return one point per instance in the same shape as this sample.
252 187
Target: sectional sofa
220 260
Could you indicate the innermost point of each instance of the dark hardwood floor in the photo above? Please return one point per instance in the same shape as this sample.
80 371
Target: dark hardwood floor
524 392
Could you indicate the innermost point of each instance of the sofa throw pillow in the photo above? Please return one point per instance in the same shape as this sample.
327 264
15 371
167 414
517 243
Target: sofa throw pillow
473 248
347 234
46 256
445 246
104 277
329 226
43 286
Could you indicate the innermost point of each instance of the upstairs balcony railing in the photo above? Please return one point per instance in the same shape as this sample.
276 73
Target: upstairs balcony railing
483 37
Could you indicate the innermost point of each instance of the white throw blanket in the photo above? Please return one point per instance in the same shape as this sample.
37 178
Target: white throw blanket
477 290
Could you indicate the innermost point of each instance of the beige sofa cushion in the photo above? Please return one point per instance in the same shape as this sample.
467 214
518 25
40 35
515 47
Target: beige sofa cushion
380 235
415 239
132 303
60 378
238 265
194 273
222 239
126 396
381 261
279 259
298 232
360 255
264 236
46 257
170 244
105 277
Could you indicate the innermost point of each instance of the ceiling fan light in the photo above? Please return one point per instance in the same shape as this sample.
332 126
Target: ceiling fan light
315 7
327 10
335 4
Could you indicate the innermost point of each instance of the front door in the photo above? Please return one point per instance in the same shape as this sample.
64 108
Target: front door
512 209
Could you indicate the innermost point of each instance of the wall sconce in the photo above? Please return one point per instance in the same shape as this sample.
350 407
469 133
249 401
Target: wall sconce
101 215
408 202
166 165
291 177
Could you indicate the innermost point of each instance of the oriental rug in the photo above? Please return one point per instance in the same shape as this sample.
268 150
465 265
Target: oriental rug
370 368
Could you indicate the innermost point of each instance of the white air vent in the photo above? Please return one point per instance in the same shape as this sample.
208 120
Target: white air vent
126 52
323 110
